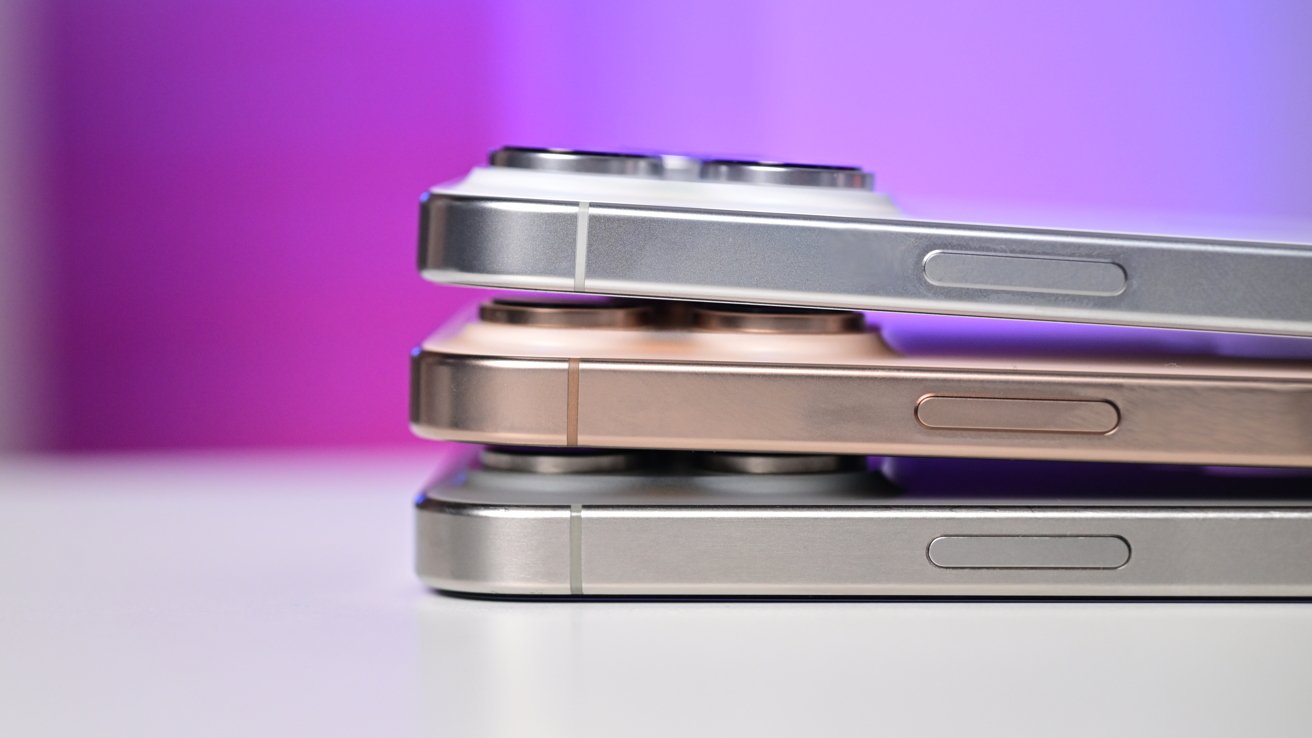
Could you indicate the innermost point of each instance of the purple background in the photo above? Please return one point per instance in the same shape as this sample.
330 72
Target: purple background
232 187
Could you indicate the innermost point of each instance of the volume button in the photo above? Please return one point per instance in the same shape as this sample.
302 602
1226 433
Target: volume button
1024 273
1003 414
1029 552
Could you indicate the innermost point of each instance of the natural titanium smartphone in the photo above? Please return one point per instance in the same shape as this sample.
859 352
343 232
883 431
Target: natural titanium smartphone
659 375
731 231
534 522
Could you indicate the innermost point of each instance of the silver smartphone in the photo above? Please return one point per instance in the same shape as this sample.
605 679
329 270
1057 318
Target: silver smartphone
551 522
664 375
781 234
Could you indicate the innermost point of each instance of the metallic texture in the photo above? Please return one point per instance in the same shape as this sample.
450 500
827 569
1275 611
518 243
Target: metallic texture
869 264
669 534
1029 552
1024 274
517 244
739 463
572 403
565 313
557 461
1001 414
523 550
815 550
749 319
581 248
1251 414
522 402
773 173
578 162
681 167
817 409
576 549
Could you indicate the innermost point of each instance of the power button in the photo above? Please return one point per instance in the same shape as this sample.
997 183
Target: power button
1029 552
1005 414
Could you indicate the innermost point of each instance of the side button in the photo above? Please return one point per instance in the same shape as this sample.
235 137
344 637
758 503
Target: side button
1024 274
1003 414
1029 552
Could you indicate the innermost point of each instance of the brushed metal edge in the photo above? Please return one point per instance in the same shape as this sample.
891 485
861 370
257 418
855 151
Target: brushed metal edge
455 397
639 551
493 549
822 409
459 232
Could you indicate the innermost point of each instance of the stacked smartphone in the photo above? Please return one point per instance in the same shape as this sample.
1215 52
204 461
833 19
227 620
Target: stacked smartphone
710 412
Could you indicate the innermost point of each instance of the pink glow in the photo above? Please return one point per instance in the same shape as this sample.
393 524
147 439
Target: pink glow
233 232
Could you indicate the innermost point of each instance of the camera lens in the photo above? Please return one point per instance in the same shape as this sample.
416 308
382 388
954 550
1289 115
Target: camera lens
565 313
578 162
752 319
774 173
557 460
740 463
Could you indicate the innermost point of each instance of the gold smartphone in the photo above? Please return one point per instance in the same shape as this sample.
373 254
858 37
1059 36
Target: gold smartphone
653 375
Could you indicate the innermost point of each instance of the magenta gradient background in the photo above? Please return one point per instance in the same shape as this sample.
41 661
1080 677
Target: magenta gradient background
233 186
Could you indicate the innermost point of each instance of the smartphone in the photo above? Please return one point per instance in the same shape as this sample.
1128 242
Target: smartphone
597 523
800 235
659 375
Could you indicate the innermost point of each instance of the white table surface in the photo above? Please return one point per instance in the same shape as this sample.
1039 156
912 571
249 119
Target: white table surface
272 596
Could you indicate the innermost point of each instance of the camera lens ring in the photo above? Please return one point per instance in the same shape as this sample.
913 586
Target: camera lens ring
780 173
566 313
558 460
577 161
764 464
763 319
